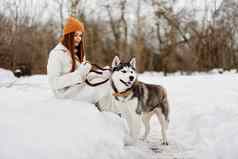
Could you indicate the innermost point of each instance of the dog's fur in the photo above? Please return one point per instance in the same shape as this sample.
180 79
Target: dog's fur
135 100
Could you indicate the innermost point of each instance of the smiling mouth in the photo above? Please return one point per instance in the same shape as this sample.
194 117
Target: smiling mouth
125 83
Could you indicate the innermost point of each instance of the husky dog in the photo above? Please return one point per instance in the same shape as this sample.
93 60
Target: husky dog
135 100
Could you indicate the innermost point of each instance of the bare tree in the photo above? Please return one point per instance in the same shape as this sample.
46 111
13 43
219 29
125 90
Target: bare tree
139 48
114 25
77 8
73 7
61 8
25 36
119 28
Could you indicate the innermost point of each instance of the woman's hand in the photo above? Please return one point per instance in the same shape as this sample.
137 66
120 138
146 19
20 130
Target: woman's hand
87 67
83 69
85 62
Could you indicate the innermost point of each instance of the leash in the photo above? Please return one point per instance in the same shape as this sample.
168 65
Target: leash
96 84
116 93
97 72
100 68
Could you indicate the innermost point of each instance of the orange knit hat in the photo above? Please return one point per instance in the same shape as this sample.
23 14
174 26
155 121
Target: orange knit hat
72 25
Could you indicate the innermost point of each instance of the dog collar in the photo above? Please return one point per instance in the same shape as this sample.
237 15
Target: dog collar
117 94
122 94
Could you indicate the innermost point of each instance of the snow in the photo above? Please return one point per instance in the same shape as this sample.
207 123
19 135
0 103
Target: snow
204 113
6 76
203 121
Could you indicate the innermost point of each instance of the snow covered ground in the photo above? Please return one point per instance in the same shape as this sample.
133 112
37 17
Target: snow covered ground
35 125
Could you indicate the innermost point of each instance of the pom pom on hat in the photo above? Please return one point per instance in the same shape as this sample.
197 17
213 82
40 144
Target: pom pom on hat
72 25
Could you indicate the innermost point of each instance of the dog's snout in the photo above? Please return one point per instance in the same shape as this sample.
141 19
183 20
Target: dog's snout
131 78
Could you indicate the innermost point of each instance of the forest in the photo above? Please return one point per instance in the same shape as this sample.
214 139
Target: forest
162 36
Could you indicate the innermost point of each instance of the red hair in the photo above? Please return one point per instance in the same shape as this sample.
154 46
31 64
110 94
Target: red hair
68 42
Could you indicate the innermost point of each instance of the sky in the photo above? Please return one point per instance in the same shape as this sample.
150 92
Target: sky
95 10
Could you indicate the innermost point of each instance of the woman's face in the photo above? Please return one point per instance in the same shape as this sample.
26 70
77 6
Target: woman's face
77 37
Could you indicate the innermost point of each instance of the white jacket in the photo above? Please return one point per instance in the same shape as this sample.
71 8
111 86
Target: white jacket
58 70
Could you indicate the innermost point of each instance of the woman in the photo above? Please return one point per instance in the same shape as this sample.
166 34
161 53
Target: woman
67 67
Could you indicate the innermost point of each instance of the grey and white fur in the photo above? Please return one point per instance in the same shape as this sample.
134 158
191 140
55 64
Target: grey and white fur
135 101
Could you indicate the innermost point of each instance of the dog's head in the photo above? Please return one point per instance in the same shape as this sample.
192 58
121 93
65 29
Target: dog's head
123 74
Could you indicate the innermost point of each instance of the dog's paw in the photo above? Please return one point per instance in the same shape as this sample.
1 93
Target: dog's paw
164 142
144 138
128 141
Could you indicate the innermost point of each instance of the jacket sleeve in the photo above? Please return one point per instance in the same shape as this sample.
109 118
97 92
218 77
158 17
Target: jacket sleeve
57 79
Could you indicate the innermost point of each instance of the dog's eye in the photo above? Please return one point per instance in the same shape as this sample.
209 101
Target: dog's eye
123 71
131 71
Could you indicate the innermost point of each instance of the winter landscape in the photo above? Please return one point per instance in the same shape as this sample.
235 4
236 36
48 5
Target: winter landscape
190 47
203 121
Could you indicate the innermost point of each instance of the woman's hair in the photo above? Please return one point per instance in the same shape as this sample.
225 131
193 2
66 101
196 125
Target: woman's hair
68 42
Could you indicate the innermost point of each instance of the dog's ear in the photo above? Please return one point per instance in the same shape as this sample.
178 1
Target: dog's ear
133 62
116 61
